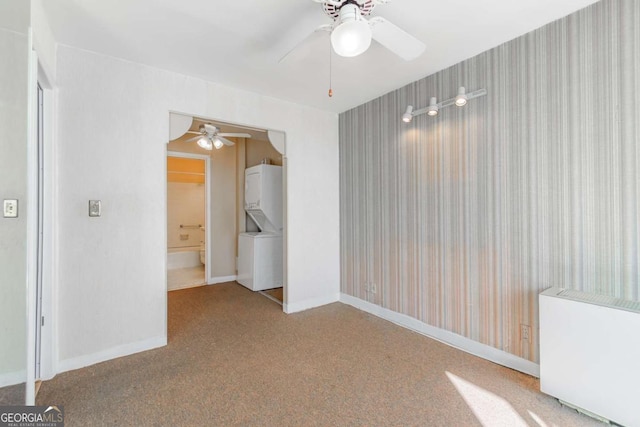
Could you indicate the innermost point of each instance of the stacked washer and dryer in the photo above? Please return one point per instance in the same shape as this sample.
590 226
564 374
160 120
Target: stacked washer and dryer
260 254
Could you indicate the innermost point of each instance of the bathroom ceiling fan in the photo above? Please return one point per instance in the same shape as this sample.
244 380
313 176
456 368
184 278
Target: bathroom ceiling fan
351 32
209 136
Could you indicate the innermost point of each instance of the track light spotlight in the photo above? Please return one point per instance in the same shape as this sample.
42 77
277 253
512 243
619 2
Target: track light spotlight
432 110
407 116
461 99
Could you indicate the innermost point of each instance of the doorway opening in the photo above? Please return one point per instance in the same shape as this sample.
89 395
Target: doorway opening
187 201
232 149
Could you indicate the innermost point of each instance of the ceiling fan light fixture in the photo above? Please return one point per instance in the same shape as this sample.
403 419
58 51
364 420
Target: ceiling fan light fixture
461 98
217 143
408 116
205 143
353 36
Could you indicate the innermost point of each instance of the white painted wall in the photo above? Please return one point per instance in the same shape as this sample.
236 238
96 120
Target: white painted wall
258 150
43 41
222 259
113 126
15 16
13 185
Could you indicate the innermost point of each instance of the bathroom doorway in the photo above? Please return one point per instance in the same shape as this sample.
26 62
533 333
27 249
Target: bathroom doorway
187 201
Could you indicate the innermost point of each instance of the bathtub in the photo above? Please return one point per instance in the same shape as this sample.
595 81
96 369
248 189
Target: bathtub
186 257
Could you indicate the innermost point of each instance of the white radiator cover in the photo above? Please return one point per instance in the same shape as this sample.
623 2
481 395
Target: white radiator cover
590 353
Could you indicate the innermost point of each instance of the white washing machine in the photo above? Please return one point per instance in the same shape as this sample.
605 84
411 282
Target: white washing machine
260 261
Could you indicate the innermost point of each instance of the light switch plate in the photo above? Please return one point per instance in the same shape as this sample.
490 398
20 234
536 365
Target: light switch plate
95 208
10 208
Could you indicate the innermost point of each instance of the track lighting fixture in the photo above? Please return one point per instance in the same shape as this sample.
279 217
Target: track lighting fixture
461 99
432 109
434 106
407 116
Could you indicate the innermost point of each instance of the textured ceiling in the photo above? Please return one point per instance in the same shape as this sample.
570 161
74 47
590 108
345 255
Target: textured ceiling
239 43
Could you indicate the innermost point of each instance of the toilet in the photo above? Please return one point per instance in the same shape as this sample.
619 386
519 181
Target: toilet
202 251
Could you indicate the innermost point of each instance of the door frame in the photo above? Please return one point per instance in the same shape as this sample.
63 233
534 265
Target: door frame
41 219
49 334
207 207
48 285
32 222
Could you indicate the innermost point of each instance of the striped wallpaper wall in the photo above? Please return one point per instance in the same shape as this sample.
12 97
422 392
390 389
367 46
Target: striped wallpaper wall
461 220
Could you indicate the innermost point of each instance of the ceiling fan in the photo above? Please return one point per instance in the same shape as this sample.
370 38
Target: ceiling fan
351 32
209 136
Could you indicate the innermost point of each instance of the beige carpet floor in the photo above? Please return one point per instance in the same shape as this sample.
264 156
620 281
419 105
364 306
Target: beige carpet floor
234 358
12 395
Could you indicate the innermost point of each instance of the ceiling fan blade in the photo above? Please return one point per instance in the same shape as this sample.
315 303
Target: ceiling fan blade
332 2
317 31
396 39
225 141
235 135
195 138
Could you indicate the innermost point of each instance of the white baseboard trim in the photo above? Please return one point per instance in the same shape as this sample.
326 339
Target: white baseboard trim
111 353
13 378
454 340
221 279
310 303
